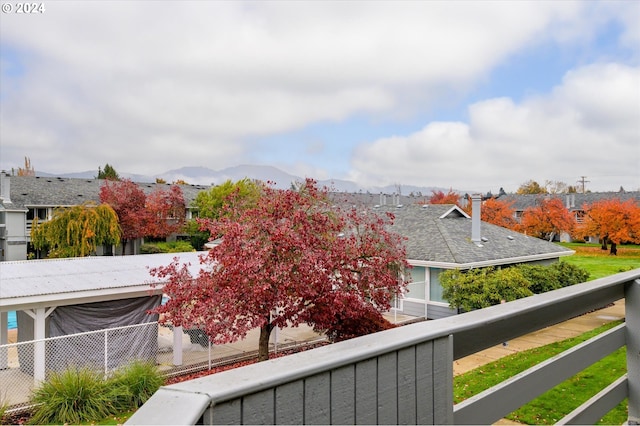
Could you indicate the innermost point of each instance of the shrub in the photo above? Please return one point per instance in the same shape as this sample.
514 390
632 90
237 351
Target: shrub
139 379
166 247
349 325
71 397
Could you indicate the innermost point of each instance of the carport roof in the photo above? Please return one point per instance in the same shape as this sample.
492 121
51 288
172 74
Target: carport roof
30 284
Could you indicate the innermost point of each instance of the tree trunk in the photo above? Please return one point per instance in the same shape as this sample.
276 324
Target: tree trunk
614 249
263 343
604 243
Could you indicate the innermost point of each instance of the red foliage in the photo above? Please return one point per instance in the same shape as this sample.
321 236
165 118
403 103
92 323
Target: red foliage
548 218
159 214
292 258
347 326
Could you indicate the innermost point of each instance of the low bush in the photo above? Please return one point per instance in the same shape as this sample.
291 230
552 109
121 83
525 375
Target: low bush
140 379
81 395
71 397
166 247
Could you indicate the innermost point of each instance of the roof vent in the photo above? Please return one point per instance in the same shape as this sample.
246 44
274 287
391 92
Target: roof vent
484 239
509 237
399 206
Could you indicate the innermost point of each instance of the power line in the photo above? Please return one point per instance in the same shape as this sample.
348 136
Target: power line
582 181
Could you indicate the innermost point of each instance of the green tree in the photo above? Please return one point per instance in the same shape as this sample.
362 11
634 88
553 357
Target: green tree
77 231
209 203
531 187
108 173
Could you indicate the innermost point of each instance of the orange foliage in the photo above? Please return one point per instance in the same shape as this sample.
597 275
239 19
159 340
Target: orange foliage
548 218
440 197
612 220
499 213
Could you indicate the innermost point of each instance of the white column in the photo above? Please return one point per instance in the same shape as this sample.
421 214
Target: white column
177 345
39 360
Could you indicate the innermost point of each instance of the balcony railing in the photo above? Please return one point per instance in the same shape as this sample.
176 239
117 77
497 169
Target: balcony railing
405 375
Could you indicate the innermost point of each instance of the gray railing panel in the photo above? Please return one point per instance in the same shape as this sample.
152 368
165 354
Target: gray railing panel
290 403
443 381
424 383
500 400
596 407
317 399
407 404
343 393
366 392
226 413
259 408
387 389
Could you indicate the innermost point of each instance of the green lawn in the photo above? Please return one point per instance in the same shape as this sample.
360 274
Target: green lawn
599 263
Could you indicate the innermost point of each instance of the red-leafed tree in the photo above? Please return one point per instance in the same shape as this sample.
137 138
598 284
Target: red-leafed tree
549 218
439 197
613 221
167 212
291 258
139 216
499 212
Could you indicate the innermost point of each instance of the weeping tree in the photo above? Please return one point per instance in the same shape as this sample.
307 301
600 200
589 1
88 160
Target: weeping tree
76 231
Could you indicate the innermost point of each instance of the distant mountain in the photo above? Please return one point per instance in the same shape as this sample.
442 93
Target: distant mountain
281 179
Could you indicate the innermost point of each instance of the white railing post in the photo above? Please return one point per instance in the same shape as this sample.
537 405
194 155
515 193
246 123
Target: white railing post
632 320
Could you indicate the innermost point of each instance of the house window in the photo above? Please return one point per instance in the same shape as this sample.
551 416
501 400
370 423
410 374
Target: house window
40 213
416 289
435 288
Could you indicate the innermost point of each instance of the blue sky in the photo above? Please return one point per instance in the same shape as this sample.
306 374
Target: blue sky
469 95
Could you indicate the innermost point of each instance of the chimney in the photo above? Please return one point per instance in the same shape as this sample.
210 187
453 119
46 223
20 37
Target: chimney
5 187
476 203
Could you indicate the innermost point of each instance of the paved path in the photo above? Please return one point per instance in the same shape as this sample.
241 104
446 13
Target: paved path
565 330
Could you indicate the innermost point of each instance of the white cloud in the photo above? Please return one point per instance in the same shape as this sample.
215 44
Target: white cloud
150 86
587 126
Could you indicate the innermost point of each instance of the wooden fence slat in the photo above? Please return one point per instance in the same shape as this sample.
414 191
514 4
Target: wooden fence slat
343 389
366 392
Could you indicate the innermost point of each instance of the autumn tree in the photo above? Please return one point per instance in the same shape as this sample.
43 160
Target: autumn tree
613 221
547 219
76 231
290 259
498 212
531 187
167 212
159 216
108 173
439 197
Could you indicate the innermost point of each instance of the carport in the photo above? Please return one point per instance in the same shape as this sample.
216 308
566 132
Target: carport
105 283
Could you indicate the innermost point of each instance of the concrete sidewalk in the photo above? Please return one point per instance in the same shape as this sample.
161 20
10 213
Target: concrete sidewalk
555 333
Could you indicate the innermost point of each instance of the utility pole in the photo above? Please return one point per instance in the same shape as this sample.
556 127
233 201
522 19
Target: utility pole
582 181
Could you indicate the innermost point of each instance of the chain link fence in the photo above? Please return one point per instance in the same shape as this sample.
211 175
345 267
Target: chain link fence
24 364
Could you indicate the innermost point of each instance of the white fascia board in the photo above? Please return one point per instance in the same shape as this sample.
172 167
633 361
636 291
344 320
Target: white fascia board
485 263
77 298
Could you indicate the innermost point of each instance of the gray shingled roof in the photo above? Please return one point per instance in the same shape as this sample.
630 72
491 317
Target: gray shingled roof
436 238
571 201
30 191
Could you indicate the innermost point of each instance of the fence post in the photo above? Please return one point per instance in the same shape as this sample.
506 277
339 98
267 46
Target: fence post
4 339
106 353
632 320
177 345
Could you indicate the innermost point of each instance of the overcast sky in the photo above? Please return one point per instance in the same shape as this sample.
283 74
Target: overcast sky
470 95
